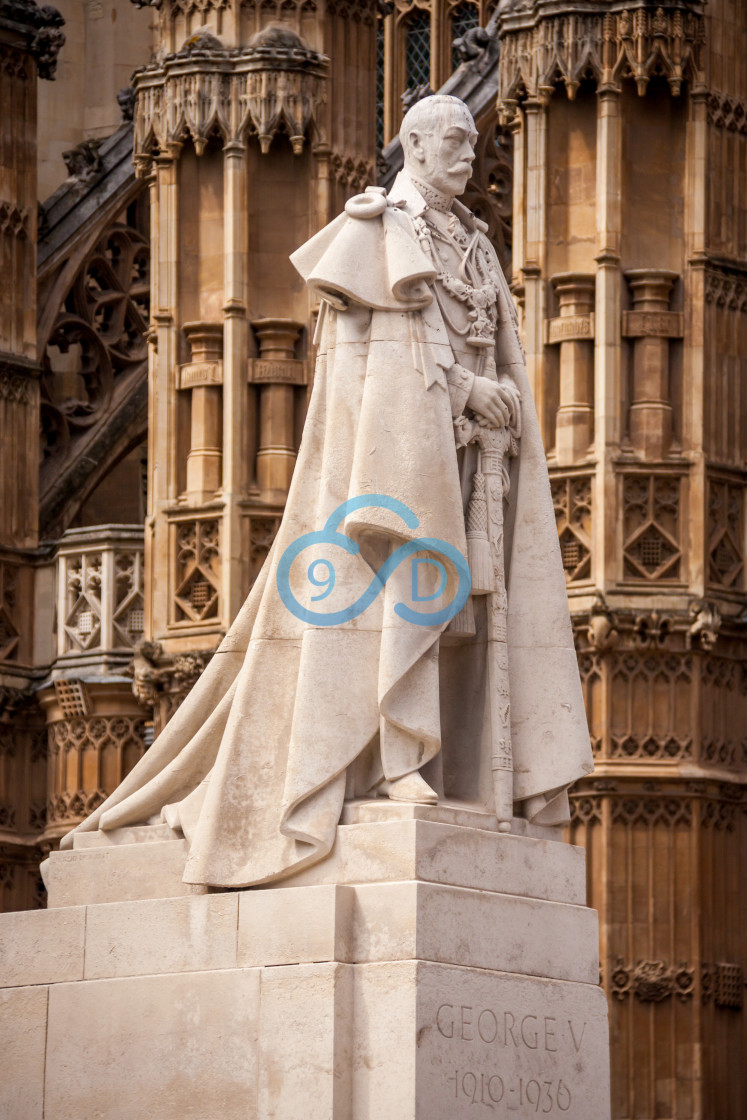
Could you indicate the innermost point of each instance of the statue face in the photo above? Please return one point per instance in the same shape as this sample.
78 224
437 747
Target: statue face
441 152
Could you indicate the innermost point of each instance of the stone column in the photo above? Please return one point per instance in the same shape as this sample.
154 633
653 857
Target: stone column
651 325
607 366
573 332
30 38
697 172
279 368
237 452
534 253
25 32
204 376
163 449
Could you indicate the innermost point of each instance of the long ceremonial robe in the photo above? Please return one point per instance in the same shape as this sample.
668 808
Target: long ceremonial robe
254 765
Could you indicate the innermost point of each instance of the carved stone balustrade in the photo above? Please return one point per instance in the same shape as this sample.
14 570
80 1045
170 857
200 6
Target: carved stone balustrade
573 332
651 324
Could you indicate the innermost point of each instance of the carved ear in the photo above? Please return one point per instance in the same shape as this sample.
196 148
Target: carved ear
414 145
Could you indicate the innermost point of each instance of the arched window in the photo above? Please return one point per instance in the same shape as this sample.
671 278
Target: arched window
464 17
418 50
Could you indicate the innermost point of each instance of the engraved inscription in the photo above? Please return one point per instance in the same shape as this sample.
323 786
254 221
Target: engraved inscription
654 324
290 371
516 1094
200 373
566 328
465 1023
501 1087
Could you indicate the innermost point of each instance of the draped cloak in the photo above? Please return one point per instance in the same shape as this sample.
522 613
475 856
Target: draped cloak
255 764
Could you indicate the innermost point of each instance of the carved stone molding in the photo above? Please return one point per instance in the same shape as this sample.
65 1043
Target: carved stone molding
670 803
196 570
16 387
14 220
95 735
99 597
353 175
726 288
41 26
261 529
727 112
117 742
572 498
12 701
162 683
275 84
362 11
651 527
586 809
14 63
723 984
726 559
10 621
102 326
672 811
541 47
652 981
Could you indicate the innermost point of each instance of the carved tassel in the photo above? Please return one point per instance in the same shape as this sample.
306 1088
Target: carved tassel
478 546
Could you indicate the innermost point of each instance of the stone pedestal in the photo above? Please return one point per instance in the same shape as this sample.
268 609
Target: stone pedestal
431 968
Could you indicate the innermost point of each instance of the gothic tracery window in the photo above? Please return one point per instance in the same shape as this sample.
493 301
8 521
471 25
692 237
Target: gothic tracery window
418 50
463 18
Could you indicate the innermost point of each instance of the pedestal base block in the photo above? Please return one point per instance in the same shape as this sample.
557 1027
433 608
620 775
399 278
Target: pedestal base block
438 996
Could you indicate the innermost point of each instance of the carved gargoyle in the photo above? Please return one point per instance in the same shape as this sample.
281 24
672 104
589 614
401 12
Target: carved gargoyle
704 629
472 43
83 162
126 102
601 632
416 93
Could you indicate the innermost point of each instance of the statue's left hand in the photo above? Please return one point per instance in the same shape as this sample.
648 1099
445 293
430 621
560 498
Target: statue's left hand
496 404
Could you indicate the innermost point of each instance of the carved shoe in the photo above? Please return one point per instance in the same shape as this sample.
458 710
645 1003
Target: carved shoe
410 788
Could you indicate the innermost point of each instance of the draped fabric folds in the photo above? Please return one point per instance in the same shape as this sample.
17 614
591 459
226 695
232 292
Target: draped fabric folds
254 765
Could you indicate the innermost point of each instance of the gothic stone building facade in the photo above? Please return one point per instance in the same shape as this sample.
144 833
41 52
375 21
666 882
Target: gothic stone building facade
155 357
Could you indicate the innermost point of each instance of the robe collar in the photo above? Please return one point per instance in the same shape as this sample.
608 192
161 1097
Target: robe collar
403 190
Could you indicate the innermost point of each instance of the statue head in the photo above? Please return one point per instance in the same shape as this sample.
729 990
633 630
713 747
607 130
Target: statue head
438 138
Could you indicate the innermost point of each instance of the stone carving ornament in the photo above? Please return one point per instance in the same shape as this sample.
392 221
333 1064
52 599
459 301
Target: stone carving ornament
420 395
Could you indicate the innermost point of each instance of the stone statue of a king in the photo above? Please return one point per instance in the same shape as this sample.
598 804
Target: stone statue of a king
436 663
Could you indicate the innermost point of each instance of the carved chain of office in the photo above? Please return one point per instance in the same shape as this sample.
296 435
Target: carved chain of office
540 48
205 90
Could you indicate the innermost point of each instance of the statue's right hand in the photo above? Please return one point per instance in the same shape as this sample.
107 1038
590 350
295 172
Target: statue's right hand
487 400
